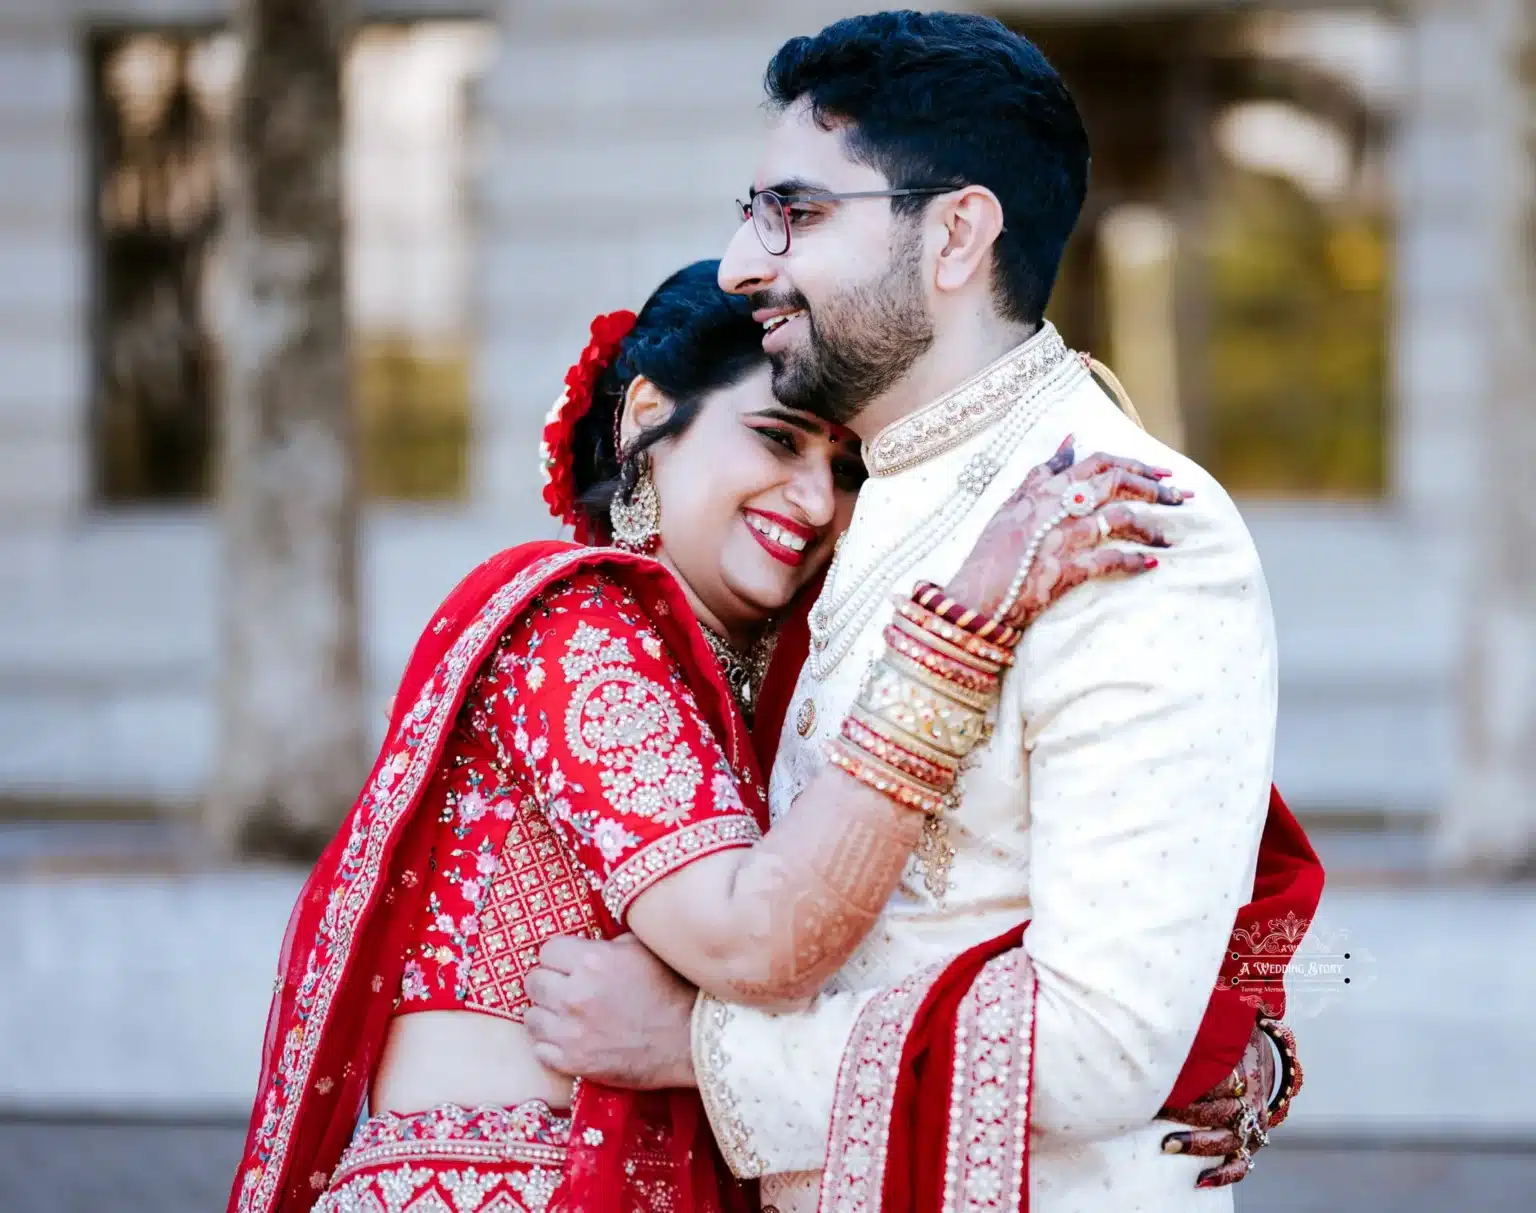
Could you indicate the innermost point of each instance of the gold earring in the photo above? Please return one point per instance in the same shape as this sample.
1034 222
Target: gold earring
636 523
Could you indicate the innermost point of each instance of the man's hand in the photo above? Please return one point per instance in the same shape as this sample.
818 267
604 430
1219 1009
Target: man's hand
612 1012
1231 1120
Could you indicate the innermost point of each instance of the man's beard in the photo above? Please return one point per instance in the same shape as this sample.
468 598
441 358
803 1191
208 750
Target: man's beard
862 342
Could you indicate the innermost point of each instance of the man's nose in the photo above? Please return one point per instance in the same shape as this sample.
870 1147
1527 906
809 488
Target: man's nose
746 267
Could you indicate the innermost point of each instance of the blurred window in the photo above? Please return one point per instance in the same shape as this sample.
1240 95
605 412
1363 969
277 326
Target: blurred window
161 100
1233 264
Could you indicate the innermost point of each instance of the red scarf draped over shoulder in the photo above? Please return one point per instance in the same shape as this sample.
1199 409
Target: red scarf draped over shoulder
344 951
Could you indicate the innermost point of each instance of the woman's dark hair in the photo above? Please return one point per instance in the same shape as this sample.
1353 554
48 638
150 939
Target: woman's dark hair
953 99
691 339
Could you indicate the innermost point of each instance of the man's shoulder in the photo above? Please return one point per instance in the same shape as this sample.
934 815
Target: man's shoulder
1211 515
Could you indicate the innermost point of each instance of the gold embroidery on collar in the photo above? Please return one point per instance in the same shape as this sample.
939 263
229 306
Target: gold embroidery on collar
954 417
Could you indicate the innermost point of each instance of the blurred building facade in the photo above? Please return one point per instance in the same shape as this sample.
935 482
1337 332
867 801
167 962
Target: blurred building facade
518 167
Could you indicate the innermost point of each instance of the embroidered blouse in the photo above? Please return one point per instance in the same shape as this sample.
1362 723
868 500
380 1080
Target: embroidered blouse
579 774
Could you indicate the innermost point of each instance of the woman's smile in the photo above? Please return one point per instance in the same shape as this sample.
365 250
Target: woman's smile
782 538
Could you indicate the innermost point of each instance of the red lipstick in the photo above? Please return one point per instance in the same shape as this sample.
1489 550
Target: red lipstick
779 551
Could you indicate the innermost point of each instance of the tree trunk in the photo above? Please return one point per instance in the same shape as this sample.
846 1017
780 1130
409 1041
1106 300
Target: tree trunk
291 736
1489 826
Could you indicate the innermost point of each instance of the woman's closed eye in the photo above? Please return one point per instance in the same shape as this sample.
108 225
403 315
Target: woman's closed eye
848 474
787 439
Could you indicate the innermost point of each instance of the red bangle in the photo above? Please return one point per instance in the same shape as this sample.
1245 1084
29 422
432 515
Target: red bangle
969 643
933 598
1290 1076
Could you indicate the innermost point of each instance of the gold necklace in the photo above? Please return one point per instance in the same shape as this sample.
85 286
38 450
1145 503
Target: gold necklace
743 674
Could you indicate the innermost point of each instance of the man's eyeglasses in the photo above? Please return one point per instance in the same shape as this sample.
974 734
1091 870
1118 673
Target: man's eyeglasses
770 211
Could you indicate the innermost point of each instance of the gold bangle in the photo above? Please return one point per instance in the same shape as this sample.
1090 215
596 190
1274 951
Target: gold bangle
929 657
904 790
977 701
922 635
900 737
926 715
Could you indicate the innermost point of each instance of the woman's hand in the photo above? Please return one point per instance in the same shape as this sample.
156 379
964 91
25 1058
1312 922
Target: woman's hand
1065 511
1230 1122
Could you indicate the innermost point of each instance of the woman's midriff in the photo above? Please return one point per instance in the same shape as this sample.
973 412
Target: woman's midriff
464 1058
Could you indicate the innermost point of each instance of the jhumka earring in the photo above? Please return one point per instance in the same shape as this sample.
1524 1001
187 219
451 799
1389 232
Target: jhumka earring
636 523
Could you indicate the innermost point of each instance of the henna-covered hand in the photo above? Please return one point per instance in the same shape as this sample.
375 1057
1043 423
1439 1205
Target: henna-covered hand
1071 549
1231 1120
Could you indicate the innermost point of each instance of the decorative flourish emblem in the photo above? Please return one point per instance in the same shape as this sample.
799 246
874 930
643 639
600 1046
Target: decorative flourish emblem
1298 959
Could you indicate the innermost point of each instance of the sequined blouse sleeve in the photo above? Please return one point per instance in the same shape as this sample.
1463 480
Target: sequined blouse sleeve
594 720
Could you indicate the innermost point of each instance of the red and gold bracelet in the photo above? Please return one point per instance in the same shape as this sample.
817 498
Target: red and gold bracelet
893 754
1290 1078
973 648
947 764
873 773
934 598
924 704
929 657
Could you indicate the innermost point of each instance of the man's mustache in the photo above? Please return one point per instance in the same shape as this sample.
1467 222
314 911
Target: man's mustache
764 301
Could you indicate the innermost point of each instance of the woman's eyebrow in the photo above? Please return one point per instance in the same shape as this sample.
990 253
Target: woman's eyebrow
798 420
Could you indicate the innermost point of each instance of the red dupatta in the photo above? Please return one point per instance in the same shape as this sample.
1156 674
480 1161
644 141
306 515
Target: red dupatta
344 950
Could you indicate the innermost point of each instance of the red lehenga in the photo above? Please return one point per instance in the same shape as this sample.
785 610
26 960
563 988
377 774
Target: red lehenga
561 740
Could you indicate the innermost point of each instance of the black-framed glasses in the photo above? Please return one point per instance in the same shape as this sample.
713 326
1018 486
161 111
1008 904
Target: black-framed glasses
769 210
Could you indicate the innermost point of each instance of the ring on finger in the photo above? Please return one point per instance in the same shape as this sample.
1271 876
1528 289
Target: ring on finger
1103 523
1249 1130
1080 500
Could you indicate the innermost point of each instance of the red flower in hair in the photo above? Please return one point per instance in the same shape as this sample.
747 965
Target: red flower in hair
580 382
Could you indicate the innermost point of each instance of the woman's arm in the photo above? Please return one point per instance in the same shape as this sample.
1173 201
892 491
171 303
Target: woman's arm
597 724
769 924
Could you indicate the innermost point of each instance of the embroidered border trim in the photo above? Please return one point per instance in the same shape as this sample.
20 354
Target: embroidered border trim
430 716
451 1152
659 859
721 1105
954 417
986 1167
866 1096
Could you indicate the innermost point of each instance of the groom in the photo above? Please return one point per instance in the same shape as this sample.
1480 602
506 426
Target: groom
918 186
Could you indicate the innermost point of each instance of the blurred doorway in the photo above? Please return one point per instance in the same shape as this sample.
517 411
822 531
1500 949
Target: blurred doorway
1234 257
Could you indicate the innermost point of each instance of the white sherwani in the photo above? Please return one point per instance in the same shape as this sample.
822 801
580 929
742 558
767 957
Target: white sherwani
1118 804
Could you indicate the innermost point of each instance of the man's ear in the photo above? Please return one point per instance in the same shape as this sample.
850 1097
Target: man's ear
972 220
645 406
